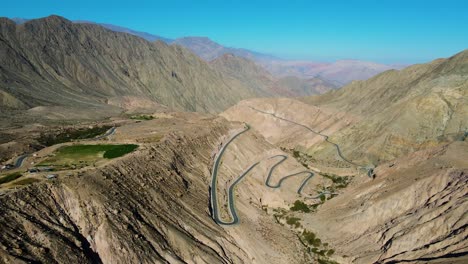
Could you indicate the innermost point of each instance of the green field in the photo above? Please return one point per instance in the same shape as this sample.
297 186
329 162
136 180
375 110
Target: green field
10 177
77 156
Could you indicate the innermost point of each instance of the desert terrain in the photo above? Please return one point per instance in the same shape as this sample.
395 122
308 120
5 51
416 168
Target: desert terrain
116 149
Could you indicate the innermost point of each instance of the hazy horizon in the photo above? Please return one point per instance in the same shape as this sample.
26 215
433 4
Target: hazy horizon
419 32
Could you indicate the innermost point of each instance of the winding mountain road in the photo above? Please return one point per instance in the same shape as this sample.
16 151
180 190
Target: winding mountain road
19 161
280 182
231 205
214 175
369 169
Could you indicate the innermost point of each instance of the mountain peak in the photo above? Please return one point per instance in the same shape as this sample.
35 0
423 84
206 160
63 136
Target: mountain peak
52 21
56 19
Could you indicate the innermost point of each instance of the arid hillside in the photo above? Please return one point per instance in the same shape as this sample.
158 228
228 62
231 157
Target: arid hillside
392 114
401 137
414 211
114 149
151 206
402 111
54 62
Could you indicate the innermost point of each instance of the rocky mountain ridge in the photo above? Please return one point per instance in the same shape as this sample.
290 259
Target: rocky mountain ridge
403 111
53 61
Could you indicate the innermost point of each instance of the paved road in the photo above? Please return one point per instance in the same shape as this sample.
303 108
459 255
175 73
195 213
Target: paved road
280 182
232 208
19 160
231 205
109 132
369 168
214 175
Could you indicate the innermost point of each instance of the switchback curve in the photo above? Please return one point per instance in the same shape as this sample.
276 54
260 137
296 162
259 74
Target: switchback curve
231 206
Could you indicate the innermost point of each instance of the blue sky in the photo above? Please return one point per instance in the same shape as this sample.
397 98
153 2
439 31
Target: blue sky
398 31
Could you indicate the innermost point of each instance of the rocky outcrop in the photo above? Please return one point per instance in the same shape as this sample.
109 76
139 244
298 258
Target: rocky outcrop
414 211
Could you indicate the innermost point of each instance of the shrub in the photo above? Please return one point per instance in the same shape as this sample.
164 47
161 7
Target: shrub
293 221
322 197
296 154
339 181
142 117
300 206
326 261
309 237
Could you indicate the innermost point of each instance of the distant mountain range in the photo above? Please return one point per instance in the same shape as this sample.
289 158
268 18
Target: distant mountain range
338 73
210 50
53 62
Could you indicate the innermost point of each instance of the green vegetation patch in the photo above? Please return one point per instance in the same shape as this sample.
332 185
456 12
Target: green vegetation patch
119 151
109 151
49 139
10 177
142 117
339 182
296 154
300 206
327 261
321 251
82 155
311 239
293 221
301 157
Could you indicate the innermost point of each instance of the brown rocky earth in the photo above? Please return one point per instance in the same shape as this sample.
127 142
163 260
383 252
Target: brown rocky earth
151 206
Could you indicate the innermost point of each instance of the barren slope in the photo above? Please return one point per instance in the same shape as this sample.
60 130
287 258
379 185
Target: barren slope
259 114
151 206
402 111
414 211
52 61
